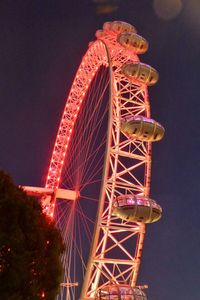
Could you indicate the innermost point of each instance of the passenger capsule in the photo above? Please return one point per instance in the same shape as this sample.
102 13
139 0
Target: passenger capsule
119 292
99 33
141 72
142 128
133 41
137 209
118 27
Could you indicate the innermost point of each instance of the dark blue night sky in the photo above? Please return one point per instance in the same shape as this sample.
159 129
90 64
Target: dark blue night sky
42 43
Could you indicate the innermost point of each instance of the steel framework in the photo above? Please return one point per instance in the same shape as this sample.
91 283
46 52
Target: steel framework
116 248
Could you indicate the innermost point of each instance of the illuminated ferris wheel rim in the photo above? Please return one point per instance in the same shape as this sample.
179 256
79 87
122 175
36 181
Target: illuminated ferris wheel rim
70 114
109 52
72 108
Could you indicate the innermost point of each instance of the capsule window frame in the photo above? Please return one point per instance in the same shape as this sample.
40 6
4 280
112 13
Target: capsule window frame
142 76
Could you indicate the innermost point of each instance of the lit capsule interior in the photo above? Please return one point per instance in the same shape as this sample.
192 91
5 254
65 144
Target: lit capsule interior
133 41
137 209
142 128
118 27
120 292
141 72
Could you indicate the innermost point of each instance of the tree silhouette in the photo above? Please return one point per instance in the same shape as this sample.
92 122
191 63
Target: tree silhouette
30 247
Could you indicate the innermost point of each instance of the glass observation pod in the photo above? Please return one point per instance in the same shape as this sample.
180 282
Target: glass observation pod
133 42
118 27
137 209
99 33
140 72
120 292
142 128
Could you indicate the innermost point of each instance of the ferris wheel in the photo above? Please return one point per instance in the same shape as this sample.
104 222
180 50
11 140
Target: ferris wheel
98 183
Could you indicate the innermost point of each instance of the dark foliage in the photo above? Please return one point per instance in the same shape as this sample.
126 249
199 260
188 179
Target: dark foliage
30 247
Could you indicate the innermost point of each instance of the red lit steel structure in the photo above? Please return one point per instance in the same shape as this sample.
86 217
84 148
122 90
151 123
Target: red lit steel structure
116 246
